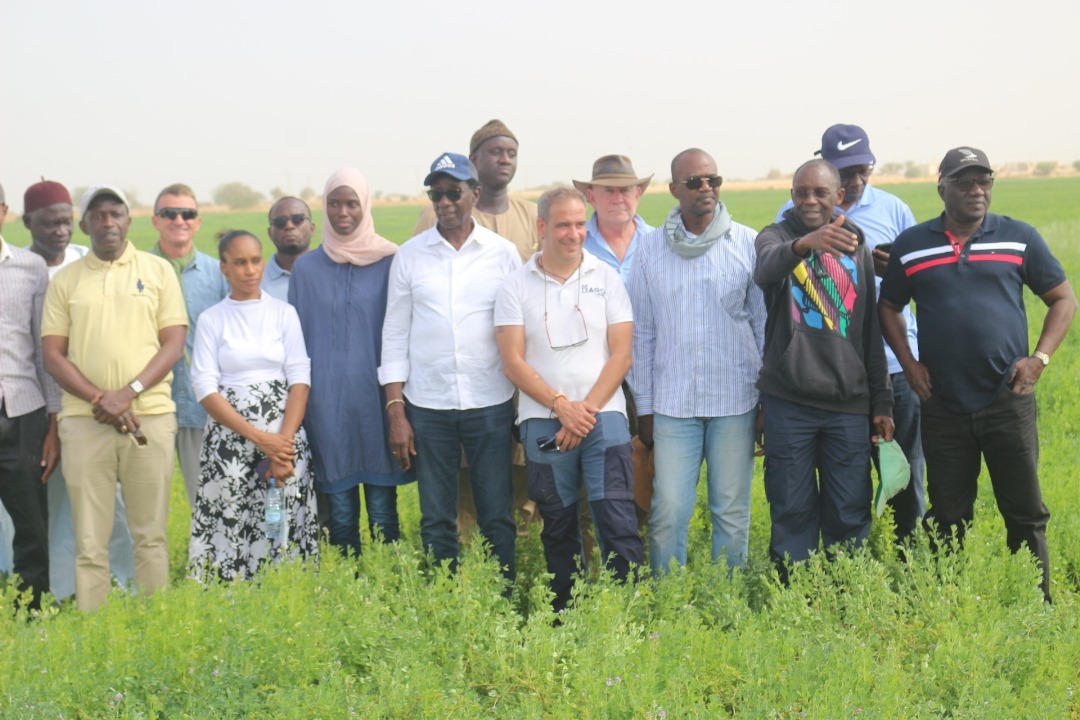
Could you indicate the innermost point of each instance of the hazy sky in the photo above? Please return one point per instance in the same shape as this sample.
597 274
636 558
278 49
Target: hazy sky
271 93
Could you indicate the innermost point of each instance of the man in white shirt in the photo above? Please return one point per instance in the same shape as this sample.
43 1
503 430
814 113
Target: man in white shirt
445 388
565 327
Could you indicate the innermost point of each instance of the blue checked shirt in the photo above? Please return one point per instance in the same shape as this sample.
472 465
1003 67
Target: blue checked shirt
699 327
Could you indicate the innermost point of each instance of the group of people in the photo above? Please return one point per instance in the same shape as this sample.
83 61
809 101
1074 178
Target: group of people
519 358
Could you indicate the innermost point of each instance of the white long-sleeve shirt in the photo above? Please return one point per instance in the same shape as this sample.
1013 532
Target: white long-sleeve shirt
439 332
243 342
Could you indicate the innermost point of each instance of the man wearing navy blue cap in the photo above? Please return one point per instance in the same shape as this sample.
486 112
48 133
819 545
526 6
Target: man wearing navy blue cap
445 386
882 216
966 271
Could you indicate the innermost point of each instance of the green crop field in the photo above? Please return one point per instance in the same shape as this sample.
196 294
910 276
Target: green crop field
960 635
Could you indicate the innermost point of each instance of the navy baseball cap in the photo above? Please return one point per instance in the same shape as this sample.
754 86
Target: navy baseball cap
845 146
456 166
962 158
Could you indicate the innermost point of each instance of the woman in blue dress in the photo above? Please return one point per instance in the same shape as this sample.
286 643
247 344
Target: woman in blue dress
339 291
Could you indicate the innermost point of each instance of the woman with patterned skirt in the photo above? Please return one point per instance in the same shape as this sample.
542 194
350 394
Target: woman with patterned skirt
251 371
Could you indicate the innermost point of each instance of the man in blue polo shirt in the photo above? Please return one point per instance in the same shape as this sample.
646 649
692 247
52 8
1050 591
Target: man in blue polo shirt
966 270
176 219
882 216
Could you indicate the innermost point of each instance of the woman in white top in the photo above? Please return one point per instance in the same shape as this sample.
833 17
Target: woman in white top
251 372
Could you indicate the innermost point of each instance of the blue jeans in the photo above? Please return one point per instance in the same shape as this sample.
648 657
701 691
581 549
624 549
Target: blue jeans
485 434
817 478
909 504
343 520
726 444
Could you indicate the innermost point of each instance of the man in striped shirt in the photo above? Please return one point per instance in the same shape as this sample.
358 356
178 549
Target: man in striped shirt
28 444
698 336
966 270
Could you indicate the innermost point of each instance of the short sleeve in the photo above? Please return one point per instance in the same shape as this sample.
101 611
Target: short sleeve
619 308
508 309
171 310
55 318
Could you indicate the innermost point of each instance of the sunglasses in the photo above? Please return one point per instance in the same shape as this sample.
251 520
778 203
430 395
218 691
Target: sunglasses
694 182
548 444
451 195
819 193
188 214
280 221
965 184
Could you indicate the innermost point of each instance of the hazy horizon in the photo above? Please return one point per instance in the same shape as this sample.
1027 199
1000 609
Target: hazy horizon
143 95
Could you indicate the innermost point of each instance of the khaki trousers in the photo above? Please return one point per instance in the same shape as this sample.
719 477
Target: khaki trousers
95 458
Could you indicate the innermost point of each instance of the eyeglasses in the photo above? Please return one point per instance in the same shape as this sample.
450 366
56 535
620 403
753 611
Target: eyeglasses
188 214
694 182
280 221
577 307
451 195
805 193
965 184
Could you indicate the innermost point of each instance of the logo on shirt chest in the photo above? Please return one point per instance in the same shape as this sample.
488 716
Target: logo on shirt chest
587 289
139 285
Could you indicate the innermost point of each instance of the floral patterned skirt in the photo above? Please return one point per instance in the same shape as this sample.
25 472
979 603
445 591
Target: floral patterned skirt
228 539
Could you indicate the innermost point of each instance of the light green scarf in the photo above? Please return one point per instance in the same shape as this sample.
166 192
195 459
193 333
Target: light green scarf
688 247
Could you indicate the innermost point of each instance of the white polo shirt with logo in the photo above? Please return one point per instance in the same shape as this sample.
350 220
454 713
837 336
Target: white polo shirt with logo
598 292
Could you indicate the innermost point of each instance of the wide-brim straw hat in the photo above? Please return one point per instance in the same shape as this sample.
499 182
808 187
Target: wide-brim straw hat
613 171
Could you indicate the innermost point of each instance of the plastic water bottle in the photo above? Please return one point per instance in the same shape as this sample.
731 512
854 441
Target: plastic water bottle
275 513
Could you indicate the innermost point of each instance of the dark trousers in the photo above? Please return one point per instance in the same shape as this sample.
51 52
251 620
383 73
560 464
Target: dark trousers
601 467
485 435
25 497
817 479
343 515
909 504
1006 434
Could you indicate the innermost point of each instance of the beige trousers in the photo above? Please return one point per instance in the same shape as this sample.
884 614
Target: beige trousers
95 458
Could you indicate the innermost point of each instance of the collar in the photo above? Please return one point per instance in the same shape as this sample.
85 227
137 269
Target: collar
990 224
479 233
5 250
589 262
593 227
125 257
273 269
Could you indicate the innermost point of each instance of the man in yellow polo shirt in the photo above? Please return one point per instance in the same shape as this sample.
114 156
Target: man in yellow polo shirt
113 327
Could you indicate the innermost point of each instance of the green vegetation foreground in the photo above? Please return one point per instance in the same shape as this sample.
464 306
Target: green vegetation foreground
383 636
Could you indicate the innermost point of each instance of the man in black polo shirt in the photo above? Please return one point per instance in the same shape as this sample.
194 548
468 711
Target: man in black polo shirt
966 270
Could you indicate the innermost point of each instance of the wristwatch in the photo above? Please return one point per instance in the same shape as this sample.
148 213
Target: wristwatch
1043 357
136 387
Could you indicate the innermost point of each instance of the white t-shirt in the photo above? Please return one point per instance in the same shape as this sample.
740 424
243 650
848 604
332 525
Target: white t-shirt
71 254
598 292
240 343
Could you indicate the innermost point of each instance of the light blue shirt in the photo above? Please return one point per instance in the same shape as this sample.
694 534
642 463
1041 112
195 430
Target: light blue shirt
882 216
204 286
598 246
699 327
275 280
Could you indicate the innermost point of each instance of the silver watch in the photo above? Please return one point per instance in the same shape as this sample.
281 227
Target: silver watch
136 387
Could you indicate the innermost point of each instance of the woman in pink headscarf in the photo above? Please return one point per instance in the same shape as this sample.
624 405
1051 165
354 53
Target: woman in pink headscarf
339 291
